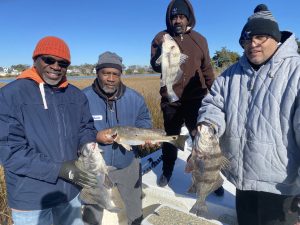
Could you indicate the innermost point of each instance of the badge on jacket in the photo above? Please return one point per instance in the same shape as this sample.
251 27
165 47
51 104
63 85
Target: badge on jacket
97 117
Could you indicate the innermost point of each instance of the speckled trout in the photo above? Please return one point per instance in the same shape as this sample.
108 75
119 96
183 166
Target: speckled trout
91 160
128 136
205 164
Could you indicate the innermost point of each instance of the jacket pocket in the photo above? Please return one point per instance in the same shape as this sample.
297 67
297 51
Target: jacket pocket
261 162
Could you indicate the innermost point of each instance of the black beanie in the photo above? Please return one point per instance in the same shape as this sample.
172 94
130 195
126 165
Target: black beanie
261 22
180 7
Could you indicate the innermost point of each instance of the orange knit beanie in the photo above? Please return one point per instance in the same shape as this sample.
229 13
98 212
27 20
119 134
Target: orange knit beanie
52 46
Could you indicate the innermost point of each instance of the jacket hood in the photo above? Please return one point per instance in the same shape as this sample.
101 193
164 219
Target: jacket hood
97 88
192 20
288 48
32 74
109 102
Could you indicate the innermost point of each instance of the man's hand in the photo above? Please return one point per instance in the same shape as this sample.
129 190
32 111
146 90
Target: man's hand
105 136
70 172
148 144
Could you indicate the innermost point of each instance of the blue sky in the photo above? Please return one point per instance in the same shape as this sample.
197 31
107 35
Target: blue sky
126 27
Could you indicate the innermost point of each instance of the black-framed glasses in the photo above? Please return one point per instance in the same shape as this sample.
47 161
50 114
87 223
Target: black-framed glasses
256 39
50 61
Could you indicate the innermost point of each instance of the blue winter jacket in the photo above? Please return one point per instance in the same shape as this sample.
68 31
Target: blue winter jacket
129 109
34 141
257 115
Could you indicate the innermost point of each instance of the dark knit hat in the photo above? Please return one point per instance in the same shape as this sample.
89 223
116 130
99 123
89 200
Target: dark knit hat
261 22
52 46
109 60
180 7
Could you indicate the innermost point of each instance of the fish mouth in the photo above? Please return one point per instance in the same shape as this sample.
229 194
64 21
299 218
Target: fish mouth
114 135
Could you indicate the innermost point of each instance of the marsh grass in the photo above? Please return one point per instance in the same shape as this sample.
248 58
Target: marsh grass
147 86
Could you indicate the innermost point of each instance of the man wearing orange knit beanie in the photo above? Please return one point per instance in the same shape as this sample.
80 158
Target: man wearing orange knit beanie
44 122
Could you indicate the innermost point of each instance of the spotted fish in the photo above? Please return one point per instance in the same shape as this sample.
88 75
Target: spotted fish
128 136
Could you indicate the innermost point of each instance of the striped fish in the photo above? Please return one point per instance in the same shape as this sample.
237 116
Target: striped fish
91 160
205 164
170 60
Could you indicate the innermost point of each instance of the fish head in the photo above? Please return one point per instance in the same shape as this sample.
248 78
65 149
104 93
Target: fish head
206 140
114 132
88 148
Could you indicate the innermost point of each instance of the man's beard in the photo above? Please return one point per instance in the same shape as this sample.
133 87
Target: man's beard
50 81
109 91
178 29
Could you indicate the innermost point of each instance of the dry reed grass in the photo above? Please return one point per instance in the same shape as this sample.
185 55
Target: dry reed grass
148 86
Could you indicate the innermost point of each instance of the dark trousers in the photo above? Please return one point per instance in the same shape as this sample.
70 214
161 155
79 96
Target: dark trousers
175 115
263 208
129 184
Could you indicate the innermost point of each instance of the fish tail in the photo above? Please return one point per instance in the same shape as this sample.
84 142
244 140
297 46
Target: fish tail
199 208
180 141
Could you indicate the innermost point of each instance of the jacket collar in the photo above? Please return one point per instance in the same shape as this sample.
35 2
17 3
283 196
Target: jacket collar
32 74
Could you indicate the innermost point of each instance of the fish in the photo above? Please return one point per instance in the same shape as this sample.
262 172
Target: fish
91 160
130 136
170 60
205 163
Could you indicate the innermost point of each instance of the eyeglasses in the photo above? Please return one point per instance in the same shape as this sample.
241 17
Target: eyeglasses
257 39
50 61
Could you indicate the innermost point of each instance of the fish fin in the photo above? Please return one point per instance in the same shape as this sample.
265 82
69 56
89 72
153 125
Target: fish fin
179 142
192 188
188 167
100 196
183 58
127 147
107 182
158 61
87 195
111 168
225 164
218 183
199 208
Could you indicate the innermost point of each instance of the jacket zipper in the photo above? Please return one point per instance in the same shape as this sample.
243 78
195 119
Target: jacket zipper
59 129
111 124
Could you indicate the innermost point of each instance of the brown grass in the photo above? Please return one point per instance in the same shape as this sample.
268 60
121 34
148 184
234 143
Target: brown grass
148 86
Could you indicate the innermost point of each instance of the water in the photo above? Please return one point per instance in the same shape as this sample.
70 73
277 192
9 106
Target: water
10 79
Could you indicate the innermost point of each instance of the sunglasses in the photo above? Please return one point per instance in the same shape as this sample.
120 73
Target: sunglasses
50 61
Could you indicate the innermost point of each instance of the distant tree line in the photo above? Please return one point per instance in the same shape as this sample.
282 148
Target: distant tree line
220 61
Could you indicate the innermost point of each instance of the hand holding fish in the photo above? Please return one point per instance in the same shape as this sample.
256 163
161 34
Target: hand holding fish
105 136
150 144
205 164
71 172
